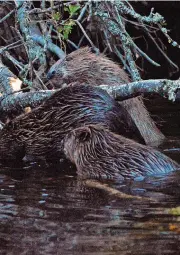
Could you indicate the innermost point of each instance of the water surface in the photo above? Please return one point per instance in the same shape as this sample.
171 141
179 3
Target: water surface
51 211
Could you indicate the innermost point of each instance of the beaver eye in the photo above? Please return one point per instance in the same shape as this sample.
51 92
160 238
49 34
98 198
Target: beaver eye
69 58
84 136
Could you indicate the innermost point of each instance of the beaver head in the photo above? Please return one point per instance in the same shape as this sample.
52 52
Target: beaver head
97 152
84 66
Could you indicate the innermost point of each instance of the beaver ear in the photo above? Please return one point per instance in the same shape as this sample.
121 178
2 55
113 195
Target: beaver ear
94 50
84 135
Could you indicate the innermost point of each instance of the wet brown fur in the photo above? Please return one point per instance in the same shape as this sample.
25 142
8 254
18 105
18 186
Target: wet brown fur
97 152
82 66
39 133
86 67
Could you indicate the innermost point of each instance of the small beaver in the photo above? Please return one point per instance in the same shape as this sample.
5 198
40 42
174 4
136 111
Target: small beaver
39 133
97 152
83 66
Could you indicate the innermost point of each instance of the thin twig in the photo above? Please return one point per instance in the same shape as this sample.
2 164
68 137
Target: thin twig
80 41
162 52
13 60
85 34
10 46
73 44
122 59
143 54
39 10
7 16
82 12
42 83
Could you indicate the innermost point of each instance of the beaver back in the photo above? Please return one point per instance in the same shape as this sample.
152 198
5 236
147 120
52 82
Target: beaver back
40 132
97 152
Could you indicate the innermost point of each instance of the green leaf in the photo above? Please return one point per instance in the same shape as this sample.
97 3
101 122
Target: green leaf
71 23
66 31
60 29
66 9
73 9
56 16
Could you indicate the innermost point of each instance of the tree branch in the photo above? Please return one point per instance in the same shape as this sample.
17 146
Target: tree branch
18 101
24 21
7 16
38 38
166 88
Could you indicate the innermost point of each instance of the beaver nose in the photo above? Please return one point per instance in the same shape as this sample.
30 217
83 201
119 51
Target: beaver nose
50 74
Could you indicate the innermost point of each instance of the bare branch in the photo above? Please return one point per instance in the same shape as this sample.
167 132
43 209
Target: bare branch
166 88
38 38
39 10
18 101
7 16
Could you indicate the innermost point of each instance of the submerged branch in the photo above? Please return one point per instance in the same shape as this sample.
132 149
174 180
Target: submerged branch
112 191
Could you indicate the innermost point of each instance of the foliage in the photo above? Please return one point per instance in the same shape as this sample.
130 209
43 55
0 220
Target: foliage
67 24
53 28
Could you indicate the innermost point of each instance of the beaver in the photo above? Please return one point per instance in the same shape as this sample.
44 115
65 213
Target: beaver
98 152
39 133
83 66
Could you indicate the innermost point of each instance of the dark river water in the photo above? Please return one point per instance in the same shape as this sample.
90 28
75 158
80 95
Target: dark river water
51 211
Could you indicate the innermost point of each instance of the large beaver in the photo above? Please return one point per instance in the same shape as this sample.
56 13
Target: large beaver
97 152
40 132
83 66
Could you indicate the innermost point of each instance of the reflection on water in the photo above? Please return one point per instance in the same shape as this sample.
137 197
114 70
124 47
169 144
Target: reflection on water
50 211
44 212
